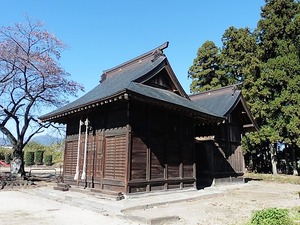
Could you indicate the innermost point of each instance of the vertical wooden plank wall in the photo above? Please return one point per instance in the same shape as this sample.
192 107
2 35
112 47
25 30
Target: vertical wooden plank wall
229 140
162 150
70 156
152 151
106 149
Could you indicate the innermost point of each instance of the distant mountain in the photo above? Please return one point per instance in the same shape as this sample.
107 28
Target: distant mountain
2 141
46 139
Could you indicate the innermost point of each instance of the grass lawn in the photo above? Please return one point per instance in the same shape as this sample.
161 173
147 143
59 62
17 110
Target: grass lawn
280 178
294 213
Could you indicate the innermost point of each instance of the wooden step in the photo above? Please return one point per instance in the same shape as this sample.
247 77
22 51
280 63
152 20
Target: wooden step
62 187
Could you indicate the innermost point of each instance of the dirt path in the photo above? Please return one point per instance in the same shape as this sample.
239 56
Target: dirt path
20 208
234 206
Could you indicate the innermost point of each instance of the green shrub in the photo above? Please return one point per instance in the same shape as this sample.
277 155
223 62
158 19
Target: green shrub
7 157
6 154
38 157
29 158
2 155
48 160
57 157
271 216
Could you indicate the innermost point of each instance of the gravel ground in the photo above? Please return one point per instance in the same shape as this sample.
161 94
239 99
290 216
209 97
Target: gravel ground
234 205
20 208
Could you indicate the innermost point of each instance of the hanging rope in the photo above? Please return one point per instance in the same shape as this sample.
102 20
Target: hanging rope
78 151
83 176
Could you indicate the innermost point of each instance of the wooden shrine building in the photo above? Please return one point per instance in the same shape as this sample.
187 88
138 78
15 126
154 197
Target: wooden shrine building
135 131
219 155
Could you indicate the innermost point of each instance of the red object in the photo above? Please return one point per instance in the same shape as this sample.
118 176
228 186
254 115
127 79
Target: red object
4 163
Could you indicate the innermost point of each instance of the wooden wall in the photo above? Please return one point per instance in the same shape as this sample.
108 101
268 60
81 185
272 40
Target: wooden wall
133 147
228 137
107 148
162 149
221 156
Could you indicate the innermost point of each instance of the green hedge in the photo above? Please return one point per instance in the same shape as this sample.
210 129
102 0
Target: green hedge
2 155
29 158
38 157
6 154
7 157
48 160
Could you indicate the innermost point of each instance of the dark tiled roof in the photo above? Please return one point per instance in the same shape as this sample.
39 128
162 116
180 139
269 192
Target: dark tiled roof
114 83
168 97
128 78
220 101
223 101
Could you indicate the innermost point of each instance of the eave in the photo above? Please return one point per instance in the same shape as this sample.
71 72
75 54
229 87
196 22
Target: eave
55 117
204 117
253 126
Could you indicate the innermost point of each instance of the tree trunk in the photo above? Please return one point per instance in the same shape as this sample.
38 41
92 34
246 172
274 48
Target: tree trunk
287 160
254 162
273 159
294 161
18 162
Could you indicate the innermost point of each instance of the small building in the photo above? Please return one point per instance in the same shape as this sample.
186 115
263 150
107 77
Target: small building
219 154
135 131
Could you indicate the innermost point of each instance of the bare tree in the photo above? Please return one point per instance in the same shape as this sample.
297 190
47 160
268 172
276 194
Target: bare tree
31 79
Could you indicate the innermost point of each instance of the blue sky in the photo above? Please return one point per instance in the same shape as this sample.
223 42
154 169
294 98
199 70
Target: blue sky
102 34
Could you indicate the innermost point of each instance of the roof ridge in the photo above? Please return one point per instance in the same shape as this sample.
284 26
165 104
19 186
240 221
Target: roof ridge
170 93
233 87
156 52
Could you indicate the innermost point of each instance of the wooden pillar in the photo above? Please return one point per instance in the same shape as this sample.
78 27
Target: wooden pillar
102 158
148 155
165 153
128 158
148 169
181 128
128 150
